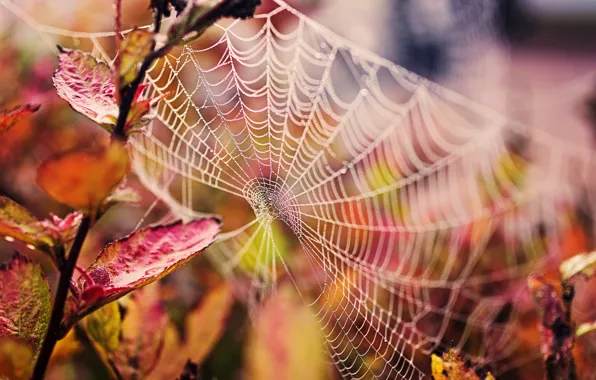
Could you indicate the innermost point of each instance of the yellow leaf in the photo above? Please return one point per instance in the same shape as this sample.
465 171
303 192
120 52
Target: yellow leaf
16 358
66 347
135 47
585 328
287 341
584 264
205 324
103 327
171 362
437 368
83 179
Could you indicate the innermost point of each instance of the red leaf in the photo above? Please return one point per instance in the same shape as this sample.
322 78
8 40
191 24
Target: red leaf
9 118
87 85
141 258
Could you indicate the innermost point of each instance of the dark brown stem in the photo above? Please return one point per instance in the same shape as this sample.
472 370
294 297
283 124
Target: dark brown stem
128 97
223 9
53 333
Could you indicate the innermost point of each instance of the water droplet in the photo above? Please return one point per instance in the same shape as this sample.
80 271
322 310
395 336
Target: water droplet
9 238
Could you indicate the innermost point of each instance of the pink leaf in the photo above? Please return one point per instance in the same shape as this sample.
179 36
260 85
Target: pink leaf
141 258
25 304
87 85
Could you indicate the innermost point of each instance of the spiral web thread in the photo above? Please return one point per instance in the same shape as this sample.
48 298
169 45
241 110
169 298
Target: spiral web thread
376 193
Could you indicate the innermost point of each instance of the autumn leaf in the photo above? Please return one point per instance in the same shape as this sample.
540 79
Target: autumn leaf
555 327
66 347
139 259
87 85
583 264
450 366
287 341
135 47
17 223
25 304
206 323
104 326
141 341
16 358
585 328
204 326
122 195
130 342
9 118
83 179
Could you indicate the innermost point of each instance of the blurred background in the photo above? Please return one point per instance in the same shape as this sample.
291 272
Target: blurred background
533 60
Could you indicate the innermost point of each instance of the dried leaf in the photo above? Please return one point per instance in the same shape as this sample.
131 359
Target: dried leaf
135 47
585 328
9 118
25 304
87 85
83 179
555 327
206 323
139 259
583 264
451 367
16 358
16 223
287 342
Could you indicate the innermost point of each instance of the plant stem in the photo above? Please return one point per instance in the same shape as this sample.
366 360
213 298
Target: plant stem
224 8
53 333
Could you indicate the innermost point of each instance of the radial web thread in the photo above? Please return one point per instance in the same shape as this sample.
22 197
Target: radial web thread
378 194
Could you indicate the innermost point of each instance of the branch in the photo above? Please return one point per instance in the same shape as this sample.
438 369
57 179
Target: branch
53 333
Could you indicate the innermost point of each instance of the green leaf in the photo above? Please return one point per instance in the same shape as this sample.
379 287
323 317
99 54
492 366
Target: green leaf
583 264
130 346
135 47
104 326
286 329
9 118
25 304
139 259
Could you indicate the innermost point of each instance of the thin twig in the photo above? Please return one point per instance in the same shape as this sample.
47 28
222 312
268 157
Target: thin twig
52 335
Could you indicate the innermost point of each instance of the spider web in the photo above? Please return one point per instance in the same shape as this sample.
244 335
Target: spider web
379 195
